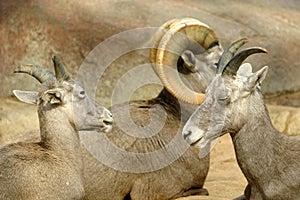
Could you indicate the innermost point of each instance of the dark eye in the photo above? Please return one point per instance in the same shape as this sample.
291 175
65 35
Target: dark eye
82 93
223 98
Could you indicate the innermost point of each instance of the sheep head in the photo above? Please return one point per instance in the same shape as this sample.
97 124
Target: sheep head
185 46
224 108
63 91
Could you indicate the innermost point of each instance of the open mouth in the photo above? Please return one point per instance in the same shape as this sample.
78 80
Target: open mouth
91 128
195 142
107 123
106 129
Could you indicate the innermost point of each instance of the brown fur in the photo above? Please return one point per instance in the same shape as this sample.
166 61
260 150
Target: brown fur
51 168
268 159
185 174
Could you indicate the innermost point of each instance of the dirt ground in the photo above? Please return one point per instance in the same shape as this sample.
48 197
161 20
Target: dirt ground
225 179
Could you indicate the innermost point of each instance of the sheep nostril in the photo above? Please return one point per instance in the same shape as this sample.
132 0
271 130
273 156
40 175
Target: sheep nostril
107 119
186 134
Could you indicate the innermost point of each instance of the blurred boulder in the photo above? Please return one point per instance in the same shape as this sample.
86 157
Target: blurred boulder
31 31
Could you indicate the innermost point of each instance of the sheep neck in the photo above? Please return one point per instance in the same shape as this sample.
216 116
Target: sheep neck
257 142
58 134
178 108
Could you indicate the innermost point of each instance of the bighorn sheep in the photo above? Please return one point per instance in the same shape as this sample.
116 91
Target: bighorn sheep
234 104
171 49
51 168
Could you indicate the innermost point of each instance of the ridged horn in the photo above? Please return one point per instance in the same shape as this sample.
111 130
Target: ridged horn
36 71
229 53
183 34
60 71
156 40
234 64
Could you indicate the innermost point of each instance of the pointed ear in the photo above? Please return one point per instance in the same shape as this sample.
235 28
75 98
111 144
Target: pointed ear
188 61
53 96
245 70
29 97
257 78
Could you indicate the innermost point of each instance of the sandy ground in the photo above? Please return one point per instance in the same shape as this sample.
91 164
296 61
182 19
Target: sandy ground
225 179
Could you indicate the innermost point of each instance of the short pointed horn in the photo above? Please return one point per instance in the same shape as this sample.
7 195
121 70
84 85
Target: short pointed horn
183 34
234 64
229 53
36 71
60 71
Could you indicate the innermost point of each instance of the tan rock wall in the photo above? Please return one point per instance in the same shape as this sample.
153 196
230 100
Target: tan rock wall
31 31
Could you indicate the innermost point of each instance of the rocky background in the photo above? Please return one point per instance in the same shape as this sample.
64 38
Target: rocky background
32 31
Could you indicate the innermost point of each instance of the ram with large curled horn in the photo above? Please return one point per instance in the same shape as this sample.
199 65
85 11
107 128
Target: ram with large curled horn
175 47
169 172
191 49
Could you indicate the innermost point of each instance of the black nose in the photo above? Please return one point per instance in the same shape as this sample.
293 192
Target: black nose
186 134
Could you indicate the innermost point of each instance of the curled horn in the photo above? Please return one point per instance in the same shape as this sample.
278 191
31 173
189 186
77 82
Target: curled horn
171 40
156 40
229 53
234 64
60 71
38 72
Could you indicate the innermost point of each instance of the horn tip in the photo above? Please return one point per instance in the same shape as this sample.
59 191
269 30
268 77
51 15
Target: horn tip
265 51
245 39
17 69
54 57
260 50
20 68
242 40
